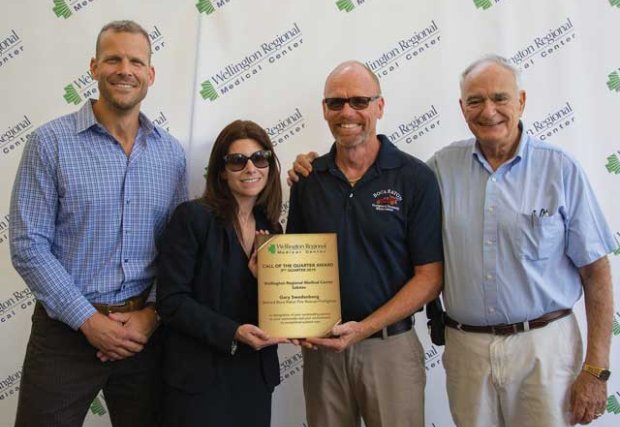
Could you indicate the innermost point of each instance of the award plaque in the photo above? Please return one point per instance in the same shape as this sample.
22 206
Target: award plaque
298 285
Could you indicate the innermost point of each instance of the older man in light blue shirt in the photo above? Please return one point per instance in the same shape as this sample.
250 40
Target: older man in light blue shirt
524 238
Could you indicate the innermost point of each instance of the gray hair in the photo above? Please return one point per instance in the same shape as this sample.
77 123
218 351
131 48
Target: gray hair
493 59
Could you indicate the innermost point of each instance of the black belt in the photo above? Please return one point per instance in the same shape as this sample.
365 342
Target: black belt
513 328
394 329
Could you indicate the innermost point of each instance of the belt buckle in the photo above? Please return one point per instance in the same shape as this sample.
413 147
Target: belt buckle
504 330
117 308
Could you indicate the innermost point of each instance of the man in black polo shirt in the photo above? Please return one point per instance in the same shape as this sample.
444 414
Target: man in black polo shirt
384 206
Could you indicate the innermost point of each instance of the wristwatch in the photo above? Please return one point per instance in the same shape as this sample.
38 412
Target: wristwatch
600 373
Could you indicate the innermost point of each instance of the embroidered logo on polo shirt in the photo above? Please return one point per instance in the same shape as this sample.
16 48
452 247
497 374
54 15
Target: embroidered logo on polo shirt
387 200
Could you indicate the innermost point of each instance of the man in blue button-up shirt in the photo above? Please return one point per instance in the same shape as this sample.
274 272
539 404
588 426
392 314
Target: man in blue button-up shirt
91 198
524 237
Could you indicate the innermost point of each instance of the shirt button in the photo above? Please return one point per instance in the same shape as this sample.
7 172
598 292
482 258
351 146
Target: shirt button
491 310
491 209
489 242
126 260
350 195
489 276
494 179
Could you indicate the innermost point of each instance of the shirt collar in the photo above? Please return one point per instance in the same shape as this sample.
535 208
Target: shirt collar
86 119
388 157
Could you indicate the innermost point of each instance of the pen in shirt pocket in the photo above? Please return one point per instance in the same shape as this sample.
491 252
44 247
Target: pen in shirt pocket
540 214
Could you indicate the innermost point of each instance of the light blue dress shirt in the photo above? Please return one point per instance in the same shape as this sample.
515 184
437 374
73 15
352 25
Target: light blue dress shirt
515 238
85 218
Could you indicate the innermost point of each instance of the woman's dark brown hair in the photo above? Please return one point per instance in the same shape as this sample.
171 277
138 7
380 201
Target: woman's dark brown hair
217 195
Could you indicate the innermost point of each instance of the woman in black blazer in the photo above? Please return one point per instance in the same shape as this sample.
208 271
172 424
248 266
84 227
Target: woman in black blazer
219 368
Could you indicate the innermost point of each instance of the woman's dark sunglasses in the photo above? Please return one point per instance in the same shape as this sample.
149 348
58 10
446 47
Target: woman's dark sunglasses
356 102
236 161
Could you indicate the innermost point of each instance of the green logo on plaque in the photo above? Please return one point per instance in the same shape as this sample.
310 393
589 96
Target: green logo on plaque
97 407
483 4
613 405
614 81
61 9
208 91
205 6
346 5
613 164
71 95
271 249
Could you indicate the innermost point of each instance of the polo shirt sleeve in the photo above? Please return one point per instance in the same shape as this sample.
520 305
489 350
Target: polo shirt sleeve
588 236
424 219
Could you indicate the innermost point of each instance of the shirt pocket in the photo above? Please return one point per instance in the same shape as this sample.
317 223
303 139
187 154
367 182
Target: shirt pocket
539 236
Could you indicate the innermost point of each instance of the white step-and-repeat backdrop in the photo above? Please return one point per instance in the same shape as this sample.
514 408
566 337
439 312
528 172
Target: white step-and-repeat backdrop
266 60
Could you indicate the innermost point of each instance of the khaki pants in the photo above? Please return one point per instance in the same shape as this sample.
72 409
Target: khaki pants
381 380
516 380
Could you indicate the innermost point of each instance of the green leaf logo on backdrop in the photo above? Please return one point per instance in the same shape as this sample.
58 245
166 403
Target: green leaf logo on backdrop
97 407
613 406
483 4
614 81
208 91
614 3
205 6
71 95
346 5
615 328
61 9
613 164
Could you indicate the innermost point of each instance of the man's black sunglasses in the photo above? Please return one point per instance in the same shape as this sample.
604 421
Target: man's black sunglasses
237 161
356 102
